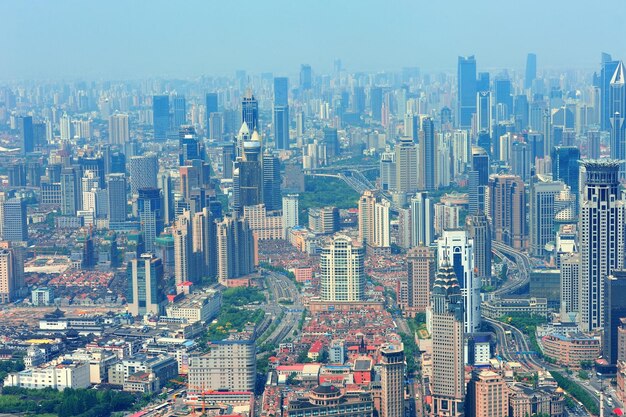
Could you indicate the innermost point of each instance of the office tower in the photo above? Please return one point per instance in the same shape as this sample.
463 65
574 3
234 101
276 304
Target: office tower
420 278
26 133
376 103
248 176
479 230
14 220
146 292
531 70
466 91
358 100
478 179
65 128
184 262
228 153
281 112
306 77
179 112
143 172
216 123
427 152
455 248
503 100
164 182
388 171
448 379
271 181
570 283
116 190
507 209
228 364
565 168
236 253
521 109
342 271
150 215
70 191
606 75
331 140
205 243
487 395
374 230
194 184
189 147
211 106
543 206
521 164
412 126
406 166
483 111
161 116
593 144
7 276
250 111
617 113
392 380
614 311
422 220
290 212
601 223
119 130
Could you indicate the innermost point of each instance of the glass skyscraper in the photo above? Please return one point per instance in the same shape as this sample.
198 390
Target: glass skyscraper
466 90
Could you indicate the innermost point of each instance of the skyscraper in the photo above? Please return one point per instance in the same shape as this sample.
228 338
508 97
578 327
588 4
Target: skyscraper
466 91
427 153
143 172
420 278
145 291
290 212
448 379
617 113
615 309
236 254
248 175
374 230
570 283
281 112
456 249
543 193
407 176
11 272
508 210
271 181
531 70
606 74
342 271
565 168
116 193
26 132
150 215
422 220
479 230
376 103
392 381
15 222
205 243
119 130
179 112
487 395
503 100
250 111
70 191
184 261
211 105
478 179
161 116
601 225
306 77
483 112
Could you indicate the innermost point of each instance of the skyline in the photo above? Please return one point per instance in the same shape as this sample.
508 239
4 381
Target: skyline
385 37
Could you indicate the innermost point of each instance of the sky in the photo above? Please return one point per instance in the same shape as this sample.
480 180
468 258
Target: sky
133 39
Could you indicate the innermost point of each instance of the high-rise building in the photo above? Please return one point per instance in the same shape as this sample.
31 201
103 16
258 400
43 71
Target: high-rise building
420 278
531 70
119 130
143 172
543 194
271 181
422 220
164 182
179 112
456 249
161 116
427 152
601 224
146 293
211 106
617 114
614 310
392 381
205 243
324 220
189 147
606 75
407 176
26 132
250 111
376 103
487 395
184 262
306 77
116 194
570 283
565 167
374 229
448 379
216 123
331 140
281 112
236 249
342 271
8 285
70 191
507 209
466 90
503 100
248 175
479 230
14 220
290 212
483 112
150 215
388 171
478 179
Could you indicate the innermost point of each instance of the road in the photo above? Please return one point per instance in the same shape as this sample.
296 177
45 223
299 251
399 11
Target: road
281 287
523 266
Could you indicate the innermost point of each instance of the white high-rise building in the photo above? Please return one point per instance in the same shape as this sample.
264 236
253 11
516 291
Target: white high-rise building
570 280
183 249
342 271
7 277
456 248
422 220
543 194
374 230
119 131
602 231
290 212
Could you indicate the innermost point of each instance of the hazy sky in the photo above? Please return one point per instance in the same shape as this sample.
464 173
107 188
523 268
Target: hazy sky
178 38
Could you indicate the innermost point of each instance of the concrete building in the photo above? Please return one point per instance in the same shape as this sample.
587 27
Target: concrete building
184 263
328 400
407 173
143 171
570 283
324 220
119 131
420 278
571 350
507 209
40 296
374 230
422 220
479 230
290 212
236 249
59 374
265 225
196 307
487 395
543 194
392 381
146 292
342 270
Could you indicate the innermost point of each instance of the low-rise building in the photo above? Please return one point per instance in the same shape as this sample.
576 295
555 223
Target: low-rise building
196 307
496 308
58 374
571 350
163 367
328 400
42 296
528 401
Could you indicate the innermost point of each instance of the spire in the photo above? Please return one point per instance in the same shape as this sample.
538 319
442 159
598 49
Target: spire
618 75
244 130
